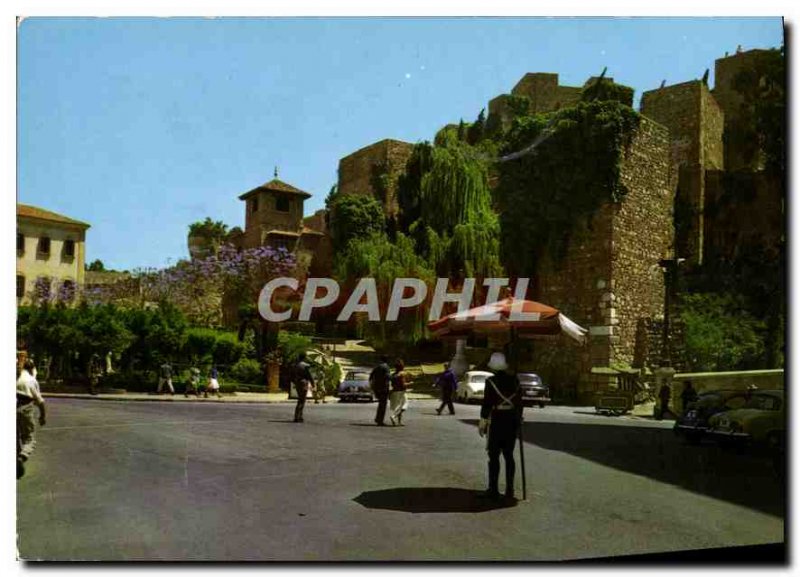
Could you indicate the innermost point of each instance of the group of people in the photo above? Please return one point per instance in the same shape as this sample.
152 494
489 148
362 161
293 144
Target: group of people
193 386
500 417
389 388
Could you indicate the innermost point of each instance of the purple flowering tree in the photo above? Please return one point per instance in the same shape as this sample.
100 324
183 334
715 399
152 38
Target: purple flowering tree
199 286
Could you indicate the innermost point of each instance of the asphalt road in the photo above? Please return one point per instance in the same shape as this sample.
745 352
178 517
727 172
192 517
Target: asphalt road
201 481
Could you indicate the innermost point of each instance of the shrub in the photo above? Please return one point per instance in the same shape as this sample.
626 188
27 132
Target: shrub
247 371
228 350
200 344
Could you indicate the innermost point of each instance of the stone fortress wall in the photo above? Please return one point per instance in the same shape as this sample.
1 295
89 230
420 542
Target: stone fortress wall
610 281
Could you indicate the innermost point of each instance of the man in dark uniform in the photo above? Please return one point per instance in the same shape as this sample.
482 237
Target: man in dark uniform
379 381
302 380
501 415
447 383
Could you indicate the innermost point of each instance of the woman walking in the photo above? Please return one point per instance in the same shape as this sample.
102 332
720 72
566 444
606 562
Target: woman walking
398 402
213 383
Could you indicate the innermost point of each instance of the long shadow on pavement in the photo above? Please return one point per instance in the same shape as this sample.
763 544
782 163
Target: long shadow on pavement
431 500
746 478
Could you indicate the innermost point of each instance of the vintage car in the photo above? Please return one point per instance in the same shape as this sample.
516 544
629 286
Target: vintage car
692 425
762 420
534 391
471 386
355 386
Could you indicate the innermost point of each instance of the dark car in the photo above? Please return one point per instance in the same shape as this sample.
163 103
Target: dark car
692 425
355 386
534 391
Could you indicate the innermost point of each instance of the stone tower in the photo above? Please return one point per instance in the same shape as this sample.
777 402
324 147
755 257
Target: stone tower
374 170
695 122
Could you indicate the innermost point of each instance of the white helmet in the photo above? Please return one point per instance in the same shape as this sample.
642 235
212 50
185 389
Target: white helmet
497 362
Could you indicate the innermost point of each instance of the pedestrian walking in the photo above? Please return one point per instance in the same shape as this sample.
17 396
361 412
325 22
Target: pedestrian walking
664 394
398 401
165 378
193 385
94 373
501 416
213 383
447 384
28 396
302 380
688 395
379 382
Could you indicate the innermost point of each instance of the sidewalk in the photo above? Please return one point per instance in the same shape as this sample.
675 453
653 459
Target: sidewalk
281 397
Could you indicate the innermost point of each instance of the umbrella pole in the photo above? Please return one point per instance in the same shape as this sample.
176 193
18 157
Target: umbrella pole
515 352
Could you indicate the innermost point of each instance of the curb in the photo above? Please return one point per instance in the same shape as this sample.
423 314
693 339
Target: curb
173 399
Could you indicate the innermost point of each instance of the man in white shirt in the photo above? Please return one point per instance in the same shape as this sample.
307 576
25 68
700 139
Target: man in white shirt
28 395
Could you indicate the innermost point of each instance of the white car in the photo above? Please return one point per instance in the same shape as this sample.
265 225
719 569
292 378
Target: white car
471 385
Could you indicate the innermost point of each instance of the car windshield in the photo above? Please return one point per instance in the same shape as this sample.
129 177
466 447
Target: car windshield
477 379
764 403
530 379
356 376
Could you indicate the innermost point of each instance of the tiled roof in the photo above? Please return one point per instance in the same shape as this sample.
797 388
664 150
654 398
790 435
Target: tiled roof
277 186
26 210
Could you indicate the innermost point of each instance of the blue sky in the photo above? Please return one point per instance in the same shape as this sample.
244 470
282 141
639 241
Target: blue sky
141 126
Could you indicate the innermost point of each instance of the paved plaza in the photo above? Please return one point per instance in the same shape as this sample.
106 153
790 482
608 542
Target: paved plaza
115 480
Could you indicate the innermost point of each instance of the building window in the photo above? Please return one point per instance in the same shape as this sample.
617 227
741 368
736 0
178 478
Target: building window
282 204
20 243
44 245
254 204
69 248
20 286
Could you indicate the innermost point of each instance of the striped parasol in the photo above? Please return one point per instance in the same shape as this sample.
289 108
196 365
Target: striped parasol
520 318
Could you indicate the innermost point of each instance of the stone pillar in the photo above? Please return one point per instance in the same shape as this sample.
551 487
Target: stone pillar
273 377
459 363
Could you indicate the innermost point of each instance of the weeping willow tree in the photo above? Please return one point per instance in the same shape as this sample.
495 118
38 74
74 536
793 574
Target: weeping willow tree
446 206
379 258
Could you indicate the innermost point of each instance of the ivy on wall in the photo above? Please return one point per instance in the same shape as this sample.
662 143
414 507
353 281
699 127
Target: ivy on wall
566 179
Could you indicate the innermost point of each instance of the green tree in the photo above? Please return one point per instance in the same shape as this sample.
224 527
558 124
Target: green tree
476 130
719 333
379 258
96 266
354 216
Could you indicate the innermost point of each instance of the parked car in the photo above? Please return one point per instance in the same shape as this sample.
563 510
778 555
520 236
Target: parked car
471 386
762 421
534 391
355 386
692 425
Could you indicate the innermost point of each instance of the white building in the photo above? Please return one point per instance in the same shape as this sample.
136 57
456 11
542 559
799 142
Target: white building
50 246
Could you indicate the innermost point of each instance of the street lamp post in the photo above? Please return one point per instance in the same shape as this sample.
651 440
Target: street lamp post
670 268
665 372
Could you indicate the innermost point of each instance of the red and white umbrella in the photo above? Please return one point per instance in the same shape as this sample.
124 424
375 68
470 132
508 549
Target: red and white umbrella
517 318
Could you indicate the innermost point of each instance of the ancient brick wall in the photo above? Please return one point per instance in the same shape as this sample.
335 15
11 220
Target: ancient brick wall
743 209
374 170
642 234
712 125
544 92
678 108
320 247
695 122
610 280
730 101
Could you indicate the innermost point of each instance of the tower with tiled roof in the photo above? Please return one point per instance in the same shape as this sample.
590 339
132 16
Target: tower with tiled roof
274 215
